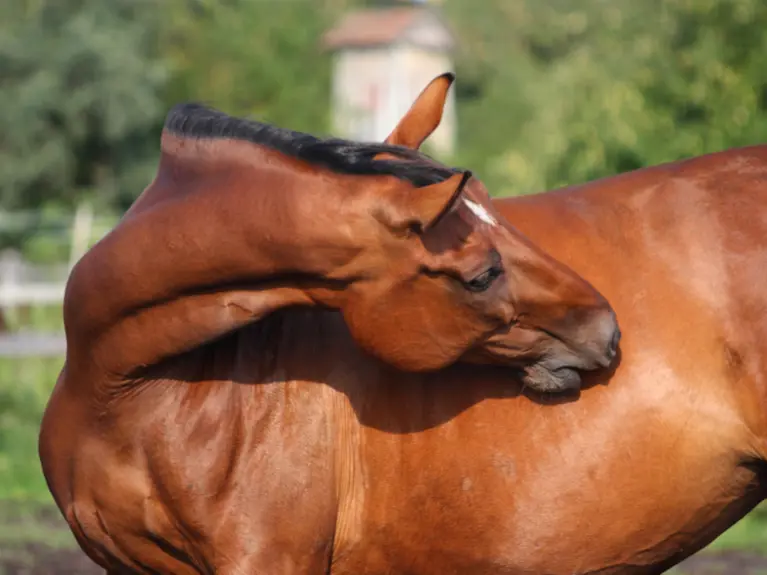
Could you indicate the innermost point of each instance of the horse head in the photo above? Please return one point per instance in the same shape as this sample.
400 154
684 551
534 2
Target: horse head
423 269
451 280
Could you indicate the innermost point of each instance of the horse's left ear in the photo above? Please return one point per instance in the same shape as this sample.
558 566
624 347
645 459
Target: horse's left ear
424 115
424 207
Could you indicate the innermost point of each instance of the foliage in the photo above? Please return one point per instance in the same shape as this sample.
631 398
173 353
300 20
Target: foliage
580 90
549 93
78 99
257 59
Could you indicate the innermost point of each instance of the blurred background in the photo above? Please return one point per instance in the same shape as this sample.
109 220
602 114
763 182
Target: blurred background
548 93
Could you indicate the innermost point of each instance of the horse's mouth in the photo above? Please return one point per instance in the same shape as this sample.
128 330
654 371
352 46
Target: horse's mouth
538 377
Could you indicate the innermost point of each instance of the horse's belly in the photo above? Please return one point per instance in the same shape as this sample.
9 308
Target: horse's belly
633 496
642 528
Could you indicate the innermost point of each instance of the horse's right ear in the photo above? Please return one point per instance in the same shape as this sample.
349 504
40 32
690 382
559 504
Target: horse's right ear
422 208
424 116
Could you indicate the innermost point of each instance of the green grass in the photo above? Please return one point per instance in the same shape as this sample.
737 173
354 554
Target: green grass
750 533
24 524
28 517
25 385
45 318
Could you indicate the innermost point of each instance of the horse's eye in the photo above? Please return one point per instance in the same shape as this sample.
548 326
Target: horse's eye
484 280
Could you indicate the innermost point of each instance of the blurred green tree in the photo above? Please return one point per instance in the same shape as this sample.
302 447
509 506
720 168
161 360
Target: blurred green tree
548 93
562 92
256 59
80 98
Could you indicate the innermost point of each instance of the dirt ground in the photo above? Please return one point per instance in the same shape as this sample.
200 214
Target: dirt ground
724 563
39 560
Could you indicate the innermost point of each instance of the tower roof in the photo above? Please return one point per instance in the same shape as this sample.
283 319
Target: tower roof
383 26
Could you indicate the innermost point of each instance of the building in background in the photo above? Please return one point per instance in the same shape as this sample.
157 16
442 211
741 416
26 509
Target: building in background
382 59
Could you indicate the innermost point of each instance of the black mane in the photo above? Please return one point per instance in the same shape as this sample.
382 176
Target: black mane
193 120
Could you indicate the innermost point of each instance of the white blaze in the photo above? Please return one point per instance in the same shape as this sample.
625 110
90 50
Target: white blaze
480 212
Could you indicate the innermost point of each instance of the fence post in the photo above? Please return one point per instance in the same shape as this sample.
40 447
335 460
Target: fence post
10 278
82 229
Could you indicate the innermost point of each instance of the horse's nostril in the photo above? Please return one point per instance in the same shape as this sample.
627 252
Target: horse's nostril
614 342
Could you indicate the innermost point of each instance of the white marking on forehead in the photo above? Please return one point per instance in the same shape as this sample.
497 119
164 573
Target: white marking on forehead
480 212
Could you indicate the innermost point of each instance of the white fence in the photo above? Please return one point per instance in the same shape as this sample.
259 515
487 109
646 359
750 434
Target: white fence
22 283
32 344
25 285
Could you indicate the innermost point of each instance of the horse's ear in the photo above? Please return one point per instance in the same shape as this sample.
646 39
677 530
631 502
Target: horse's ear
424 115
422 208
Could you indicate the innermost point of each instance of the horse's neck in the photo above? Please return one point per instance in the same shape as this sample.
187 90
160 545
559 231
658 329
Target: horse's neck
201 256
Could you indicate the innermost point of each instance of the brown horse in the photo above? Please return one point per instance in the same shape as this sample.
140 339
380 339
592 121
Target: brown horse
202 426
